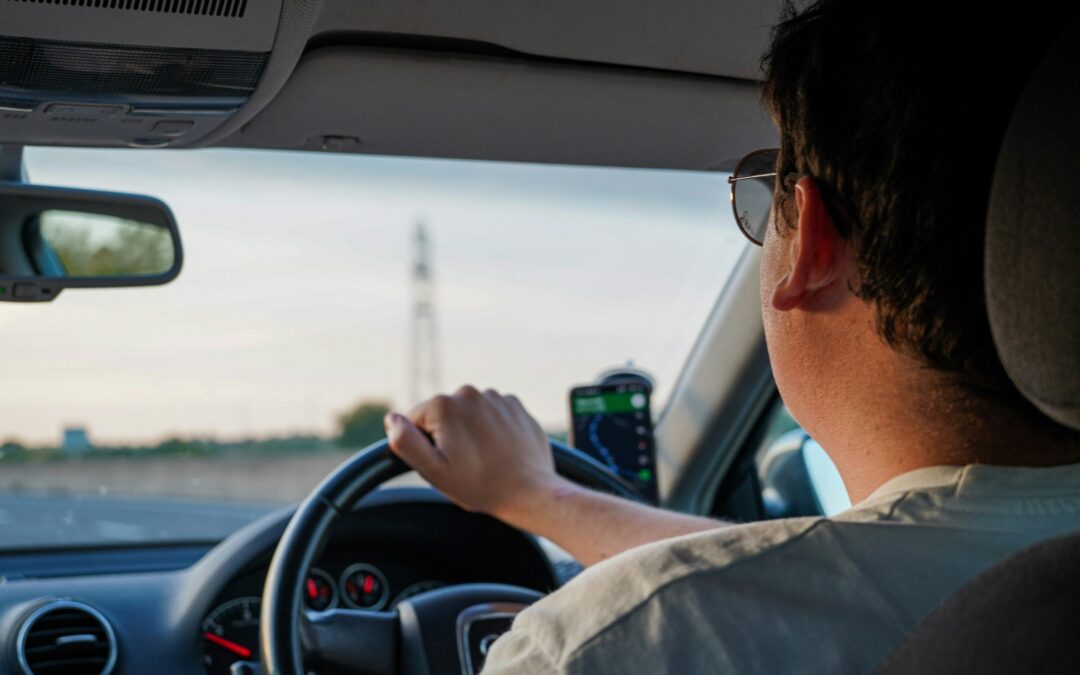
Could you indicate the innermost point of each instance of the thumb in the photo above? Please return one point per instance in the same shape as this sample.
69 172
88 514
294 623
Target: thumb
411 444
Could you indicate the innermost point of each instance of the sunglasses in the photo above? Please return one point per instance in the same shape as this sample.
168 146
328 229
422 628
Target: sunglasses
752 188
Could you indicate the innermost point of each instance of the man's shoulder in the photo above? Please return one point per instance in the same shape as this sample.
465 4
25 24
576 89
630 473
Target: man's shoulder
628 590
617 586
750 598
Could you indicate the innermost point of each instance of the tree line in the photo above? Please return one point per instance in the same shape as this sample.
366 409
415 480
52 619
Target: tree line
357 427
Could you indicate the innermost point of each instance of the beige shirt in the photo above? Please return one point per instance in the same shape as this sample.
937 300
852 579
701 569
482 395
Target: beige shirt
802 595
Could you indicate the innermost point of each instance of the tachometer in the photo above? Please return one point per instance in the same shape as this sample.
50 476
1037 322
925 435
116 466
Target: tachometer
231 633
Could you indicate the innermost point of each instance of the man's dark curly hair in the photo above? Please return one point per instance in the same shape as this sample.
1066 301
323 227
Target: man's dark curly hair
898 109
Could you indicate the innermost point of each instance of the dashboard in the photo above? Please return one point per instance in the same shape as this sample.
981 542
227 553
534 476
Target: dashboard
204 617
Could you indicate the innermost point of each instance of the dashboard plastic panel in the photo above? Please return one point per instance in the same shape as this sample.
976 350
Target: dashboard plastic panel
156 614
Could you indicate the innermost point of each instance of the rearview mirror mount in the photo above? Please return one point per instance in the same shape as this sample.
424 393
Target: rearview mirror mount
53 238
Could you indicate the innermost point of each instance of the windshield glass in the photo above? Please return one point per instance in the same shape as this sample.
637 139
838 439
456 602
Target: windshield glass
317 291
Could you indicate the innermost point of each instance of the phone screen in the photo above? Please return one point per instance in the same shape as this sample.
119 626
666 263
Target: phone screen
613 424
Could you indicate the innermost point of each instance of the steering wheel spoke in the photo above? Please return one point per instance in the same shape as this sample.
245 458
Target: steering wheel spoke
475 615
351 640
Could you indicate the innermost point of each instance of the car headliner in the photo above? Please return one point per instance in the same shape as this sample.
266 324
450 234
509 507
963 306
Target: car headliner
642 84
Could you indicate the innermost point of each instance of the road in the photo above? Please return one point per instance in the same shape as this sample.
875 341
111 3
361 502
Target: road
40 520
254 479
117 500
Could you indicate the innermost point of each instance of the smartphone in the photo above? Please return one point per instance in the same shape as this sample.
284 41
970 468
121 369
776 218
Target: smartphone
613 424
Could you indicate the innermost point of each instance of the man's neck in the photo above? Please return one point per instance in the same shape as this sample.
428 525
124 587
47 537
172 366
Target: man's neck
913 417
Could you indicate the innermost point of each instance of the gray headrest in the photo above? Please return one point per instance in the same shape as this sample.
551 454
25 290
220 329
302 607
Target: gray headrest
1033 237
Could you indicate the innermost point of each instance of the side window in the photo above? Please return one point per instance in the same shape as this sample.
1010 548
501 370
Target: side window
797 476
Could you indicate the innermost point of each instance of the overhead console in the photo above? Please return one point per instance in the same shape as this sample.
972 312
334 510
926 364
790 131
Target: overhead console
129 73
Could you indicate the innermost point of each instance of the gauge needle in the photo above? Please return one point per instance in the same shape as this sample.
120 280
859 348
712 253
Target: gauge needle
239 650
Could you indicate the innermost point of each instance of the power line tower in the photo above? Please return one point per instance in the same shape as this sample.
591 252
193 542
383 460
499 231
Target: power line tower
424 343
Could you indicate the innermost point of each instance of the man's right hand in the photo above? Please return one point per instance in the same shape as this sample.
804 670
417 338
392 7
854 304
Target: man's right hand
489 455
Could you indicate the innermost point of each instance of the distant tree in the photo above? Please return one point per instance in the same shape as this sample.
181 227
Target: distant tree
362 424
91 246
179 446
12 450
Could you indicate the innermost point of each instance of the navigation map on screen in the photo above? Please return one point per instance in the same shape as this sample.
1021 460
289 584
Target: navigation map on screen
613 424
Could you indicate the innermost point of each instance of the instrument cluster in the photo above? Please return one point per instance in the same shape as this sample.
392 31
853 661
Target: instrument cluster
230 632
399 545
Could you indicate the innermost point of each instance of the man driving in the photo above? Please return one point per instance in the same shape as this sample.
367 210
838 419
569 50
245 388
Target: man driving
890 118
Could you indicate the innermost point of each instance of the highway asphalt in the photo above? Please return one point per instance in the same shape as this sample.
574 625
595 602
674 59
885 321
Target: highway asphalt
29 520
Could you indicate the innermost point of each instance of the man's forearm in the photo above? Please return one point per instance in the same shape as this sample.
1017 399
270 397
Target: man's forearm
484 451
593 526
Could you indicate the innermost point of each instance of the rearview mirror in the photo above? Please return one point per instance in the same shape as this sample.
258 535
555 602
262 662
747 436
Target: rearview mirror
56 238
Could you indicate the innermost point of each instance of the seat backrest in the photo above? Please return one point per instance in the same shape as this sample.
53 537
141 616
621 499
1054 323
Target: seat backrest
1020 616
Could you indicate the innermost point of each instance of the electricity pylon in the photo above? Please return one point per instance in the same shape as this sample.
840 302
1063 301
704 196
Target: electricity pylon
424 343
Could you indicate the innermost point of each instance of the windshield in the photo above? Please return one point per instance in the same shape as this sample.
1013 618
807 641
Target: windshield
317 291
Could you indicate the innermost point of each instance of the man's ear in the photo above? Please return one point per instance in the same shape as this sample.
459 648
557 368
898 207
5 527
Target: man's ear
816 254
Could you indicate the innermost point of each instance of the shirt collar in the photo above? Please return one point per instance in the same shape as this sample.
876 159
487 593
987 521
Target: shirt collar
986 480
919 479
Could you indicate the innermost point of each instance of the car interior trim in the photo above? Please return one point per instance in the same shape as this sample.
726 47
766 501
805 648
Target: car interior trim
722 379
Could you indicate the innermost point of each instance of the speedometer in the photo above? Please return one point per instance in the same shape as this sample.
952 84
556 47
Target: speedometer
231 633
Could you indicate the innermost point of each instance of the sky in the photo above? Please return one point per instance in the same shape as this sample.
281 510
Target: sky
294 302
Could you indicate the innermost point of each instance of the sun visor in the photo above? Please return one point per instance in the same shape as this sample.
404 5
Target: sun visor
430 104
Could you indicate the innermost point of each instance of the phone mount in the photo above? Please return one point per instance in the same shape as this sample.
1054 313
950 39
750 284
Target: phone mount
625 375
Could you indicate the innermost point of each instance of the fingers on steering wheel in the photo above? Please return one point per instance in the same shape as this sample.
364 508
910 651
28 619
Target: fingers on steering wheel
467 392
412 445
430 414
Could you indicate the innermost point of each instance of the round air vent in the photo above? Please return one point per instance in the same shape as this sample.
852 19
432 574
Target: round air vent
64 637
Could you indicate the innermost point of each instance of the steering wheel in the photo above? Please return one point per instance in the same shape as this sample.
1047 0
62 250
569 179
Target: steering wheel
443 631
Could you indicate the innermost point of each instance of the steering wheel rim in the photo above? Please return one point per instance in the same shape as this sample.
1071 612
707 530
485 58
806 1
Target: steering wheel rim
283 615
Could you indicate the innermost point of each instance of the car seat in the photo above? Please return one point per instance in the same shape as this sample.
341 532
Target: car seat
1023 614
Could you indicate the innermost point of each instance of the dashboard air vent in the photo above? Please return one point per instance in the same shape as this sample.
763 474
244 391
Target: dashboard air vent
223 8
63 637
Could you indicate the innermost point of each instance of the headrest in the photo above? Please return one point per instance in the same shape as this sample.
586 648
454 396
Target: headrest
1033 237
